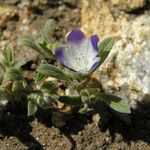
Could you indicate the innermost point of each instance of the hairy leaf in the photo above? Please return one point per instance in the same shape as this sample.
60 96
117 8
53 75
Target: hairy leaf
85 109
7 54
39 77
17 86
104 48
52 71
84 96
116 103
28 43
19 64
49 86
12 74
2 68
32 108
48 31
89 94
105 45
75 75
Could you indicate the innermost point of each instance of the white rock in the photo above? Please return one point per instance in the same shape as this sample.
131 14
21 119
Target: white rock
126 72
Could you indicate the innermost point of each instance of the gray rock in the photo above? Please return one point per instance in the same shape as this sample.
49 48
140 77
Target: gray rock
126 72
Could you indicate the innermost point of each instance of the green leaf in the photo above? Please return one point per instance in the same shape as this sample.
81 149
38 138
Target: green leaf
84 96
8 54
104 48
37 98
48 31
28 43
39 77
2 68
52 71
12 74
53 46
39 101
44 50
71 100
41 44
24 83
17 86
116 103
41 41
19 64
106 45
75 75
88 94
32 108
85 109
49 86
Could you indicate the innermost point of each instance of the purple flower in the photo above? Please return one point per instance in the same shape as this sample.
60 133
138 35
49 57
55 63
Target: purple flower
79 54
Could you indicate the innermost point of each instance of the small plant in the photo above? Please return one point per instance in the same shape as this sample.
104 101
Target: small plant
14 87
78 59
12 82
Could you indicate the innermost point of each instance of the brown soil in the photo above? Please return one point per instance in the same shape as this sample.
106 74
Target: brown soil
105 131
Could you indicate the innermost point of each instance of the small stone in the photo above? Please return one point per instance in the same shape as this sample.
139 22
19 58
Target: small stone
67 109
96 119
6 13
62 8
71 92
60 92
118 138
50 79
11 25
7 34
60 105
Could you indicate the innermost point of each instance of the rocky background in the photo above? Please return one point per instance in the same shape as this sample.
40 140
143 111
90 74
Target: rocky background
127 70
126 73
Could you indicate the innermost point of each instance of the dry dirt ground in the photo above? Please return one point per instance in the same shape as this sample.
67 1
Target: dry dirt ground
98 130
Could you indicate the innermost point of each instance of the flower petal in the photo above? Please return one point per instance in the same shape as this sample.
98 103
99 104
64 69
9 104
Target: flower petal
75 36
79 54
94 41
62 55
59 54
96 61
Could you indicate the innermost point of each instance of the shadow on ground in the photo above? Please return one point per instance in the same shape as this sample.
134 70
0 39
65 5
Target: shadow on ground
79 131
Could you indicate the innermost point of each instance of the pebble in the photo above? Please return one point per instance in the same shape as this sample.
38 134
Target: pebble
6 13
96 119
7 34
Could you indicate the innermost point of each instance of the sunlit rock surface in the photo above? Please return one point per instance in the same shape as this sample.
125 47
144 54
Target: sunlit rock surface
96 17
126 72
129 5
